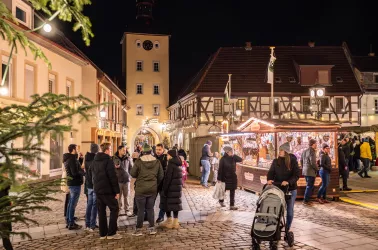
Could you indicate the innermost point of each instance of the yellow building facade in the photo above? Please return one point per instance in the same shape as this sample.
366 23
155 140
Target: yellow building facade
145 66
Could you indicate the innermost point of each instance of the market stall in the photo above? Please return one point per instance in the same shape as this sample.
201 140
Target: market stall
257 142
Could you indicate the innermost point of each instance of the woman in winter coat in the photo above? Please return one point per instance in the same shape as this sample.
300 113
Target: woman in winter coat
285 170
170 196
227 174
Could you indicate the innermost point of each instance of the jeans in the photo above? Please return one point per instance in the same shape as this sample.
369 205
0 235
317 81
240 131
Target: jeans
103 201
232 198
310 180
322 193
205 172
67 200
74 199
145 203
366 165
91 213
290 209
125 192
161 213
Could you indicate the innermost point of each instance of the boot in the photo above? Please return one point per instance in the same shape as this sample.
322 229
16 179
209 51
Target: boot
366 175
176 224
167 223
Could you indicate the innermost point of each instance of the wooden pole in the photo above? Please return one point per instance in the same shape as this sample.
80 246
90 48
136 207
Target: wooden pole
272 87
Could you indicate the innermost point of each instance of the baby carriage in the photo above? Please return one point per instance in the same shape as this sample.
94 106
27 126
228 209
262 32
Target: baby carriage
270 219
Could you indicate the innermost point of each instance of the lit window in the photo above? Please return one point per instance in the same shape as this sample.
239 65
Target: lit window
241 105
218 107
139 89
156 90
139 66
156 66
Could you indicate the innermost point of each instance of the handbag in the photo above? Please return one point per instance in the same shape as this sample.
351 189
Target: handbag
219 191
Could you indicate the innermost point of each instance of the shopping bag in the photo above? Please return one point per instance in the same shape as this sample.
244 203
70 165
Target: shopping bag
219 191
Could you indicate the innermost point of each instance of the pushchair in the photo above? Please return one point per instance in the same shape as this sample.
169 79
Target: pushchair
270 221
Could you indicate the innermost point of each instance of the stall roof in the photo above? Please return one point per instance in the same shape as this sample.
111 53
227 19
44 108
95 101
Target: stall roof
359 130
290 124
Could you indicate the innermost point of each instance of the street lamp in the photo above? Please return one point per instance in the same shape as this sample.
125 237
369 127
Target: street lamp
47 27
103 113
4 91
238 112
317 93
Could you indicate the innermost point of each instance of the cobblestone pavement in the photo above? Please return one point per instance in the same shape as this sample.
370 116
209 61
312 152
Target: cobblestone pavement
216 235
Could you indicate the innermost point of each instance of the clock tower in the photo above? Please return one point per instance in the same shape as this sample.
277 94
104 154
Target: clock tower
145 66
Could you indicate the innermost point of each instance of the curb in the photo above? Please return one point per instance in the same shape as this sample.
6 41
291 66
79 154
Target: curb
360 191
357 203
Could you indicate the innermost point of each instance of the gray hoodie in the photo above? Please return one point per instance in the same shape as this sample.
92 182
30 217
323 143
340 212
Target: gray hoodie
148 173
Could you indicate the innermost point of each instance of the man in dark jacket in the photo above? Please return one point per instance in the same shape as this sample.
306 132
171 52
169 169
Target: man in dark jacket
106 187
162 157
309 169
123 165
148 173
343 169
91 212
75 179
324 172
227 174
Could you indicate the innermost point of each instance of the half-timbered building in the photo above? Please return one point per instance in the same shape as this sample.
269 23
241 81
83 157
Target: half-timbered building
200 109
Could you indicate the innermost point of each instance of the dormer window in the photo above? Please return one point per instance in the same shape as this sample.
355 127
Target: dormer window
22 12
375 76
156 45
278 80
339 79
291 79
323 76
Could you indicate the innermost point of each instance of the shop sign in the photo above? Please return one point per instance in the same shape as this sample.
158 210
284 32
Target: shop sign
263 180
248 176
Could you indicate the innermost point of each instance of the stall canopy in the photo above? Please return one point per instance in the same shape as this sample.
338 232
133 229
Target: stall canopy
255 124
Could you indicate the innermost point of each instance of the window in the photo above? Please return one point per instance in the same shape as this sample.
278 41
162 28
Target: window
139 65
241 105
323 76
218 106
138 43
29 82
6 90
20 14
278 80
306 104
339 79
276 107
376 105
324 104
375 76
52 83
69 86
291 79
156 109
139 89
156 45
339 104
156 66
156 89
139 109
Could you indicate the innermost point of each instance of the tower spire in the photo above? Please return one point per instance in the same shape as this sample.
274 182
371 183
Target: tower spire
144 10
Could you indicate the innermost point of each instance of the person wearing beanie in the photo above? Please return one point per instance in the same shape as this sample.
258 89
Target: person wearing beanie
170 196
148 173
205 163
325 165
91 211
227 174
309 169
285 171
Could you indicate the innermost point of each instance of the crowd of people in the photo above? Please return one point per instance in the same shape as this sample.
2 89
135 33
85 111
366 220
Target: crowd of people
157 171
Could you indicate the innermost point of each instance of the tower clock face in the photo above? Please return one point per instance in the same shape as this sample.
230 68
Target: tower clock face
148 45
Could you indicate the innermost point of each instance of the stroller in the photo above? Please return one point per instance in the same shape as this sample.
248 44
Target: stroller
270 220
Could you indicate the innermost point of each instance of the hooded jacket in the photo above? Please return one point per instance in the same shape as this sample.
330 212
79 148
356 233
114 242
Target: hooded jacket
279 173
123 172
365 151
170 198
88 160
73 169
148 173
104 177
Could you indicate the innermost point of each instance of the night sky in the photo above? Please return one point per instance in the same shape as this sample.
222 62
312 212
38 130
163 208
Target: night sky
199 27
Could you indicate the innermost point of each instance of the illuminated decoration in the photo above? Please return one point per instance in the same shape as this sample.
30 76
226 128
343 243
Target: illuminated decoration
255 125
257 120
103 113
236 134
215 130
225 127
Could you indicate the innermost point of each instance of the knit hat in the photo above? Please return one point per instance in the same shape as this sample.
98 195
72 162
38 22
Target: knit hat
209 142
146 148
172 152
94 148
227 149
312 142
285 147
325 145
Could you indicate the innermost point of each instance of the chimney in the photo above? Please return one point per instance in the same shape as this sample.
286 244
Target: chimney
248 46
311 44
